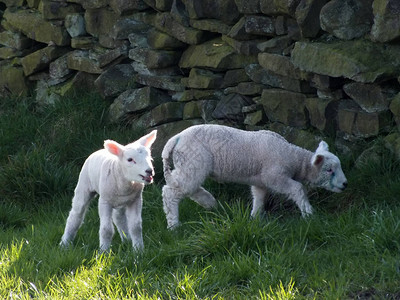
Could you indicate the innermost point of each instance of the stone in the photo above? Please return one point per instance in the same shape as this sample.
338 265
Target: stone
276 45
249 26
322 113
57 10
144 70
59 67
299 137
248 7
116 80
45 31
370 97
12 80
279 7
165 22
355 60
99 21
230 107
15 40
224 10
386 25
75 24
83 42
392 142
246 88
125 26
8 53
138 40
125 6
210 25
104 56
214 54
347 19
254 118
13 3
48 92
233 77
160 5
160 40
203 79
163 113
155 59
281 65
356 123
247 48
201 109
136 101
170 83
395 109
263 76
41 59
91 4
33 3
308 17
285 107
179 13
193 94
79 60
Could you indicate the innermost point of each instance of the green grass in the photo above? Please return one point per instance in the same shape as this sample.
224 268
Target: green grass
350 248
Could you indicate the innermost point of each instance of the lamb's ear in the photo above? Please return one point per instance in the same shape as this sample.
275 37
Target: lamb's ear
317 160
148 139
113 147
323 146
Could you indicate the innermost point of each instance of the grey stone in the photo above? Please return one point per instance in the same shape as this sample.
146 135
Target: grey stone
308 17
285 107
14 40
170 83
386 25
57 10
203 79
263 76
116 80
355 60
136 100
41 59
155 59
230 107
279 7
370 97
75 24
59 67
347 19
224 10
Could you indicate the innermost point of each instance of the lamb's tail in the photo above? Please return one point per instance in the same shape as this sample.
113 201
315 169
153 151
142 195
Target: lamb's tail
166 158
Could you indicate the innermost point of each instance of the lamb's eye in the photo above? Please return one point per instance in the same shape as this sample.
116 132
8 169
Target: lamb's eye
130 159
329 171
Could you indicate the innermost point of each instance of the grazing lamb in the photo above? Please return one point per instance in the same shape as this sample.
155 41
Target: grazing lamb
118 174
262 159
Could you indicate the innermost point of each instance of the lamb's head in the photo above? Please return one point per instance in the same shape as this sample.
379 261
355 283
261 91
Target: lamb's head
329 173
135 158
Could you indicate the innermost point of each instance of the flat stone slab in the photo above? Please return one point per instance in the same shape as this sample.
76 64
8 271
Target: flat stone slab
356 60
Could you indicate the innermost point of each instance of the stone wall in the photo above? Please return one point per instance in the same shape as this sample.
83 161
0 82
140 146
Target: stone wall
299 67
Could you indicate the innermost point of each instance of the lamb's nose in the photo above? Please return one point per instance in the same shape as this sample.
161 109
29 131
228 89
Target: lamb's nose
344 184
149 172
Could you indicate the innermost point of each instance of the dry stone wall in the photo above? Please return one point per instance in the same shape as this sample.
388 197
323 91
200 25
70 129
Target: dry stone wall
299 67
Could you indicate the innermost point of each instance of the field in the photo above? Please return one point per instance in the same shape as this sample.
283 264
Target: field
349 249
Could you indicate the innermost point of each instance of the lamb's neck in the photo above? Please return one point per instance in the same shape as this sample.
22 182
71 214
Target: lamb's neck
305 171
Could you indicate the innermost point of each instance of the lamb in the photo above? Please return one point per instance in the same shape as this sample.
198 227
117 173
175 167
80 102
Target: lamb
262 159
117 174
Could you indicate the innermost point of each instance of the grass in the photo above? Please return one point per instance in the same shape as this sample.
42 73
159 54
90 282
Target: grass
350 248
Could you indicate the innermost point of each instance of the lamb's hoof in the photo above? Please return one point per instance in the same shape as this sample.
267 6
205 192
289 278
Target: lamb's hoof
65 245
174 226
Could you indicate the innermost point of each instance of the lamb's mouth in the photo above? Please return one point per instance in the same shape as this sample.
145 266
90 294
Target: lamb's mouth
147 178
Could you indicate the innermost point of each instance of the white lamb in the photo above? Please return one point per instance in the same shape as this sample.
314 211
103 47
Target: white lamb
117 174
262 159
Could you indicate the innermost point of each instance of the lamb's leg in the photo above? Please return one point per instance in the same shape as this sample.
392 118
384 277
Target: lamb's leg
106 231
120 220
204 198
171 198
134 217
295 191
80 203
258 199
